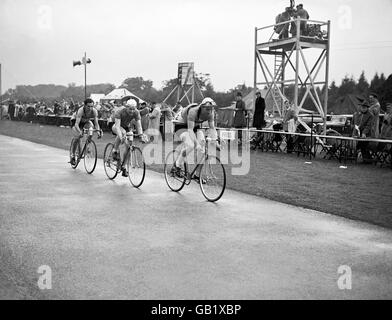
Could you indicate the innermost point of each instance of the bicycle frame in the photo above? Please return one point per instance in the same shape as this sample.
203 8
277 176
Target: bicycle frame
89 138
129 148
188 176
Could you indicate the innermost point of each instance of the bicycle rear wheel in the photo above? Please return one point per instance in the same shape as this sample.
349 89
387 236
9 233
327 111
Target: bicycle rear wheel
77 153
212 179
90 156
109 164
174 181
136 167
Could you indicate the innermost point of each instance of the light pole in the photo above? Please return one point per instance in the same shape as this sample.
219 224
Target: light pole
84 61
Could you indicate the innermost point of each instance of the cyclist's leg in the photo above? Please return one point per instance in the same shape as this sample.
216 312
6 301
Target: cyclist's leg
76 136
89 124
117 141
202 140
186 146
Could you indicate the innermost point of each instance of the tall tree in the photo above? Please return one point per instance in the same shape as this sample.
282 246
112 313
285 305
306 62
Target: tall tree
333 95
362 85
348 86
376 84
140 87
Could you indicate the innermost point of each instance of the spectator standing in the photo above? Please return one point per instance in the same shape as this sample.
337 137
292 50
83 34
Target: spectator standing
283 30
11 110
362 126
168 116
177 109
303 14
155 119
144 114
20 112
290 118
258 118
386 128
30 114
56 108
239 117
290 124
375 111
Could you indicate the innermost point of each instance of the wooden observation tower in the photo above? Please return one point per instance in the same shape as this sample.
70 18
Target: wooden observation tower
278 56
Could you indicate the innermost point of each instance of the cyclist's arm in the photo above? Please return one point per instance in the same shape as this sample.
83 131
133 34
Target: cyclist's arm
139 127
96 120
212 131
117 128
77 121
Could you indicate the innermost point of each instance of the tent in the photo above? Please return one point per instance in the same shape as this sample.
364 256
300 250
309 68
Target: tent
347 104
119 94
97 97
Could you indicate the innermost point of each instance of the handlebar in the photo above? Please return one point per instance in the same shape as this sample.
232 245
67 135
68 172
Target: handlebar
87 131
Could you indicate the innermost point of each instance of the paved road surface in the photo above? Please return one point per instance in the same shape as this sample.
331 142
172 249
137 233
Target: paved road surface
104 239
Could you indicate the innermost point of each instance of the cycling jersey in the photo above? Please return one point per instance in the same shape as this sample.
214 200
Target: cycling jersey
126 116
192 113
85 116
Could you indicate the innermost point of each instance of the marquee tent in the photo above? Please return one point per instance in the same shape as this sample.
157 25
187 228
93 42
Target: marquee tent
97 97
119 94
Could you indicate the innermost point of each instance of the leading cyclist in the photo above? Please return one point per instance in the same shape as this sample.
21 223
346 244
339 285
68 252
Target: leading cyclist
82 119
188 124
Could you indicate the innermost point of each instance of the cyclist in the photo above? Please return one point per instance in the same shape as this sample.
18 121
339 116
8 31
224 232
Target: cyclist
82 119
123 119
188 124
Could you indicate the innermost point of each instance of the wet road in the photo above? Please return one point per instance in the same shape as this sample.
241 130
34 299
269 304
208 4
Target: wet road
105 239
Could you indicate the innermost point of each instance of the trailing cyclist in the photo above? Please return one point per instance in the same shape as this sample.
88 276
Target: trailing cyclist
83 120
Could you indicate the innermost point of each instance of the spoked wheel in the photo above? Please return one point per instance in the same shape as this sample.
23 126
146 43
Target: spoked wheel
77 153
90 156
174 180
212 179
136 167
109 164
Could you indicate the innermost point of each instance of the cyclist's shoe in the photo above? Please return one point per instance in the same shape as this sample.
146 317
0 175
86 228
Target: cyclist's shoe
144 138
116 156
124 172
72 161
176 171
197 179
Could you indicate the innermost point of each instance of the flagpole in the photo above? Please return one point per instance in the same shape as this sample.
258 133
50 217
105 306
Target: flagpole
85 76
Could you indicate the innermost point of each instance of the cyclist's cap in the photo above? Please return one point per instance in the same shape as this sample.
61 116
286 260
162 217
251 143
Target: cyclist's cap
131 103
208 102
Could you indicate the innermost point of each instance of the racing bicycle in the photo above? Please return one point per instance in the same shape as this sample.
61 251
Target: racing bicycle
133 160
212 174
88 153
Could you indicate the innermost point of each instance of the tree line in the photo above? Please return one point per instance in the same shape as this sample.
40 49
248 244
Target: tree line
144 89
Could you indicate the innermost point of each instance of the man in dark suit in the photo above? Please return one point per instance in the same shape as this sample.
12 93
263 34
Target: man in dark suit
362 126
258 118
239 117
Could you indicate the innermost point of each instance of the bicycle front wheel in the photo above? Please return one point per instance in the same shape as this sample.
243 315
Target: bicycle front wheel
90 156
109 164
77 153
136 167
212 179
174 180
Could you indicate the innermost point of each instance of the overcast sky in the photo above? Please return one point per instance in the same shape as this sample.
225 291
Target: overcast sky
39 39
